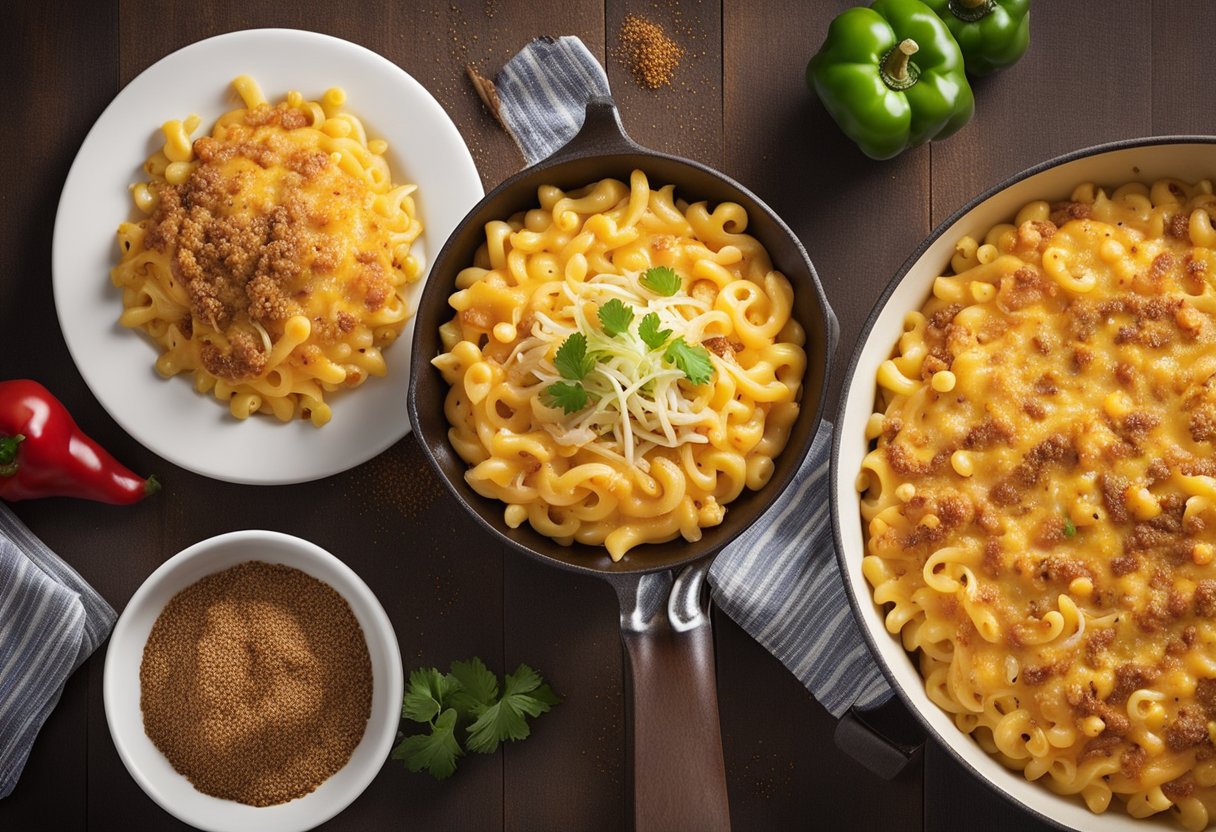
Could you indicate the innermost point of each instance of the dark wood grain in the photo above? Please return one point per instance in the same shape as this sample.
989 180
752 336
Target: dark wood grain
783 767
1096 71
570 774
1014 127
857 219
1180 92
683 117
54 51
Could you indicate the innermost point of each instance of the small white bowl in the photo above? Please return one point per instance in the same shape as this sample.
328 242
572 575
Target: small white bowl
121 690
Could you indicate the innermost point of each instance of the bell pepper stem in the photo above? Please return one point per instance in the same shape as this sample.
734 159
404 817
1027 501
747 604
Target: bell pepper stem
8 454
970 10
898 72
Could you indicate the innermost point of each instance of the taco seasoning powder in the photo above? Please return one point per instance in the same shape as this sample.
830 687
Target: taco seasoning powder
256 683
647 52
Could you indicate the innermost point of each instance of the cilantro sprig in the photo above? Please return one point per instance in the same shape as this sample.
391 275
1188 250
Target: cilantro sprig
692 361
571 398
572 363
574 360
524 695
662 280
649 332
615 317
465 701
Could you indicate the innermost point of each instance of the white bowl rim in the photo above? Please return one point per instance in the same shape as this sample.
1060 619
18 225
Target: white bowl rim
952 745
365 601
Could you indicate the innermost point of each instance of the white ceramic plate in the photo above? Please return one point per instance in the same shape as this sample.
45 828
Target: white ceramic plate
150 768
1191 159
194 430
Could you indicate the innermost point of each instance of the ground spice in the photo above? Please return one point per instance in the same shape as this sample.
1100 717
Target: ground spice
256 683
647 52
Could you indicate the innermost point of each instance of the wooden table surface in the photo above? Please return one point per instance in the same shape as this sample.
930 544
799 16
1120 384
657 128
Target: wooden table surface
1097 70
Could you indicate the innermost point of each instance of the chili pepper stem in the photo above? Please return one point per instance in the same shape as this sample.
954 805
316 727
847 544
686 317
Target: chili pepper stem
897 71
8 454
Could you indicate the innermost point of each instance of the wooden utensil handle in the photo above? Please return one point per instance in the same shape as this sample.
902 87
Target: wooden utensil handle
679 779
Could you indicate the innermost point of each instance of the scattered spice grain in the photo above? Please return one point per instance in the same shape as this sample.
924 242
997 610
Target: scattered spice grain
256 683
647 52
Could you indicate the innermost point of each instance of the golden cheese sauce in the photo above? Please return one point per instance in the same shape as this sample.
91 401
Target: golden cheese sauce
1040 499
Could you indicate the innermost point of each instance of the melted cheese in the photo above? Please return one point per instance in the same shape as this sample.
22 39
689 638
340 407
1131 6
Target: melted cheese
1041 498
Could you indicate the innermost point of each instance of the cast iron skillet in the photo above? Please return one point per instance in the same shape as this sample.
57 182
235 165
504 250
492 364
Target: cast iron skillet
678 781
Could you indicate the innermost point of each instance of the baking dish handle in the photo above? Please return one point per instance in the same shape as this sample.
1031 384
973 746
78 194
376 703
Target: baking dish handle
883 739
678 780
601 134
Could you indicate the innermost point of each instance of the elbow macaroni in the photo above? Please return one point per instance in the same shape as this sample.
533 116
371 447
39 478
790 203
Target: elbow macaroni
565 480
1038 495
273 257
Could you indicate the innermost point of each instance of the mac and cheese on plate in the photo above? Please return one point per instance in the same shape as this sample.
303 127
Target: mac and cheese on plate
274 254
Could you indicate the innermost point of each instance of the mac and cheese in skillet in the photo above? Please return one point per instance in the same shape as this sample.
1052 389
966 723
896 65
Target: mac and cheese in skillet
274 255
622 364
1041 495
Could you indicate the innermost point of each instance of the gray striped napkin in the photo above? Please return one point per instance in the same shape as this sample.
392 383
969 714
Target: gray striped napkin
779 581
50 622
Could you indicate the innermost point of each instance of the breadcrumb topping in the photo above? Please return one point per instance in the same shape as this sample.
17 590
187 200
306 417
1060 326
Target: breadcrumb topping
248 261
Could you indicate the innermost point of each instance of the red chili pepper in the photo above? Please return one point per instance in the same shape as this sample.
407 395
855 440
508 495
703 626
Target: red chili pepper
44 454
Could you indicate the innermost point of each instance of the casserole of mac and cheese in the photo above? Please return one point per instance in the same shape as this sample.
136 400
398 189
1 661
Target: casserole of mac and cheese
1040 495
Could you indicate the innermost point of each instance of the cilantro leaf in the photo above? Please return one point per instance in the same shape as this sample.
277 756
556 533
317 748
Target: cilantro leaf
649 332
615 317
478 688
572 360
570 397
693 361
523 695
1070 528
526 680
436 752
446 703
662 280
424 698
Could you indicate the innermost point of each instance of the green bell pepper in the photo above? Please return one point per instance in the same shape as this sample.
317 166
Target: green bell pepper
892 77
993 34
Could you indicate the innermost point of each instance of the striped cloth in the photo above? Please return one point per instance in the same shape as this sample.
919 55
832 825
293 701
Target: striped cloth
779 581
50 622
543 91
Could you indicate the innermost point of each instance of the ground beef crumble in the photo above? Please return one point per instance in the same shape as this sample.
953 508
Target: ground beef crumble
244 268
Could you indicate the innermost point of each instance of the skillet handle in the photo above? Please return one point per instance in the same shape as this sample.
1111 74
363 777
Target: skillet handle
601 134
885 739
679 778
